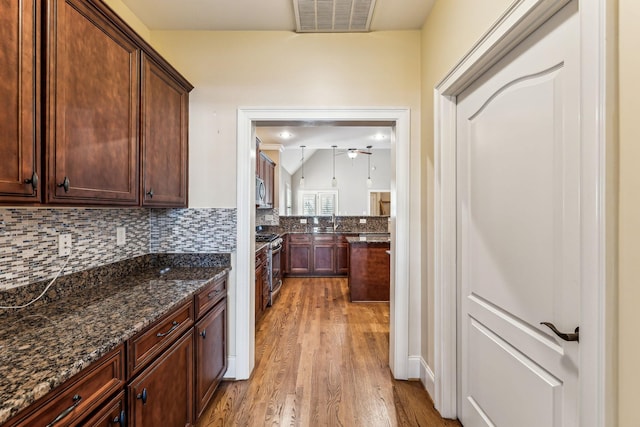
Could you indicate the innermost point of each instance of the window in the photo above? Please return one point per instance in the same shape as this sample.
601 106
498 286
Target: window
317 203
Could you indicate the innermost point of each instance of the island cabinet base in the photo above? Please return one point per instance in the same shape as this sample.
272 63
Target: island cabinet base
369 271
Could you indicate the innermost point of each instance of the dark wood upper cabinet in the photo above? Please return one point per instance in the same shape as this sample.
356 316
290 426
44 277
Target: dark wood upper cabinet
92 107
165 109
19 92
266 170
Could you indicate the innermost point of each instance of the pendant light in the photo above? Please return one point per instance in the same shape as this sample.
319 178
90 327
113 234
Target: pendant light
334 181
302 170
369 182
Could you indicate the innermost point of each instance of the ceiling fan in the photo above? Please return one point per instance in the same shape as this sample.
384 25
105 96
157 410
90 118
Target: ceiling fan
352 153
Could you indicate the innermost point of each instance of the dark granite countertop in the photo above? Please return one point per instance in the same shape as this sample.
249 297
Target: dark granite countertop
364 239
42 347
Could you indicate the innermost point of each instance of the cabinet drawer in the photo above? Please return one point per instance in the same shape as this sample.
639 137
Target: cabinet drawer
299 238
111 414
209 296
81 395
146 345
324 238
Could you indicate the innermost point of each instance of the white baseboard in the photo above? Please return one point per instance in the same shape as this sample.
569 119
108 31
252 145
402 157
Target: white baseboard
413 367
231 368
428 378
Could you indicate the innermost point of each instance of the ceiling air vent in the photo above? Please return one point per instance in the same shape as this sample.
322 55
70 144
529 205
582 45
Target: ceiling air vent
333 16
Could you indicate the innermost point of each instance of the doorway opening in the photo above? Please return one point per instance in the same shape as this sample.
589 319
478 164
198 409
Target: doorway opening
242 328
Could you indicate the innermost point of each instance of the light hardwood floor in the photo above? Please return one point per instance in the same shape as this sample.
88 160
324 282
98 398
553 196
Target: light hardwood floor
322 361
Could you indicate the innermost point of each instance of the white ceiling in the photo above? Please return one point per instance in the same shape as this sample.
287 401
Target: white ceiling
262 15
319 136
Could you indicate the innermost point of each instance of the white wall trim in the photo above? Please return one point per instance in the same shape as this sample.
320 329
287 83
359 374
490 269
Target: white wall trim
427 378
231 368
597 299
413 368
244 332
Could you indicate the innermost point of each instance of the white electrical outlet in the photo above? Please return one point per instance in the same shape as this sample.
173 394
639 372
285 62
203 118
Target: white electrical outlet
363 220
64 245
121 236
268 217
303 220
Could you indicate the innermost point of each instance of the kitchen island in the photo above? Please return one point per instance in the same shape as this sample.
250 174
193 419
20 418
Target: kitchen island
369 268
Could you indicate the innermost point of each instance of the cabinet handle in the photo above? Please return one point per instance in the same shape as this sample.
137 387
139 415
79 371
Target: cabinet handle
120 419
33 181
150 193
203 334
76 402
143 396
173 328
65 184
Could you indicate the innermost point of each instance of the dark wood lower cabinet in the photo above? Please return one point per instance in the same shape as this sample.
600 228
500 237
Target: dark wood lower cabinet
162 395
317 254
260 278
211 354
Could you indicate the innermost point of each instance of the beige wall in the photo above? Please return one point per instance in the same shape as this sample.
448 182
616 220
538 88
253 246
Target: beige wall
629 215
450 31
283 69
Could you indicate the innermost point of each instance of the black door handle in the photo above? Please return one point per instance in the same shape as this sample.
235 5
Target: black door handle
120 419
33 181
575 336
143 396
65 184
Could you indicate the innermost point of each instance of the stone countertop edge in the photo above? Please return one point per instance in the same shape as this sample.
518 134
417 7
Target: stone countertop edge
366 240
44 346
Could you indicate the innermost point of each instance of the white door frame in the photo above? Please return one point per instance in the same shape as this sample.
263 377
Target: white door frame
245 269
597 303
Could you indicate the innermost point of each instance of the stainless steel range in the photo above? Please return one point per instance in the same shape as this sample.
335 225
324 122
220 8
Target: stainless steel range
273 263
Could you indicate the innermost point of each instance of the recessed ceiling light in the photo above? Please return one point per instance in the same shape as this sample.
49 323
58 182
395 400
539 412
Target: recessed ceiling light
285 135
379 136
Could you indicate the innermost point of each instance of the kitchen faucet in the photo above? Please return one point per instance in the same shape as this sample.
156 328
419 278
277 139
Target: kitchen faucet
333 221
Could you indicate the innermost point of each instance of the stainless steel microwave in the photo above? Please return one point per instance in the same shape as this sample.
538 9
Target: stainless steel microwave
261 192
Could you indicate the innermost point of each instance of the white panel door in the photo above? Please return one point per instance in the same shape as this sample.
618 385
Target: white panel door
518 163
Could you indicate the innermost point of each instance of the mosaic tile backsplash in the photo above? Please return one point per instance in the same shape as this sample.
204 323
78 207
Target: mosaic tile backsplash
29 238
193 230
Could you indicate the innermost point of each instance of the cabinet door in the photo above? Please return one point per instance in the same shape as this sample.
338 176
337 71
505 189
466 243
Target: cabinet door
299 258
269 172
258 291
162 395
92 107
324 258
211 354
165 106
19 85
